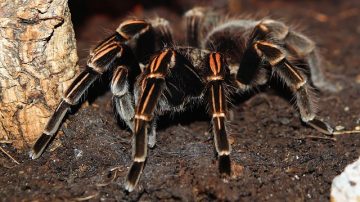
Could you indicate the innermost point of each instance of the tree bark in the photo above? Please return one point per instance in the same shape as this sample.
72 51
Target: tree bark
38 60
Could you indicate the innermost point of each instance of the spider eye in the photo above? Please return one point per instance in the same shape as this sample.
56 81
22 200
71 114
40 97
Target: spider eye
132 28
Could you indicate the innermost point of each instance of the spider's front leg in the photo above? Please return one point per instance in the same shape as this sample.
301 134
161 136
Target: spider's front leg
151 85
108 54
217 74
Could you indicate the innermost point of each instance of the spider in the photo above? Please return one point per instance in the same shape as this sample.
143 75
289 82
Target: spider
220 57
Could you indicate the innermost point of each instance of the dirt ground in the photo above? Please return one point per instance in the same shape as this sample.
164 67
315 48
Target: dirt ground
275 157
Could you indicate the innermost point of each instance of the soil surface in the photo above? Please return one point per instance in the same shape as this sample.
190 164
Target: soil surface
274 156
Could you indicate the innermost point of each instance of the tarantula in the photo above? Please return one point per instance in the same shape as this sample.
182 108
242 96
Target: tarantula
220 57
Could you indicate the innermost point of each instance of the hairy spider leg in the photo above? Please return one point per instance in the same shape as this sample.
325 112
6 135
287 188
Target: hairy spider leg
107 55
162 31
152 85
194 19
123 80
229 38
296 45
123 98
218 72
303 47
292 77
163 35
263 42
230 30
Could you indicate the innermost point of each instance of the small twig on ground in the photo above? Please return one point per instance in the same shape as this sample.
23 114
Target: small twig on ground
8 155
341 132
116 169
86 197
316 137
331 136
107 183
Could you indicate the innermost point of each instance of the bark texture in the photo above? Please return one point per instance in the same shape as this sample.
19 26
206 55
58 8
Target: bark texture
38 60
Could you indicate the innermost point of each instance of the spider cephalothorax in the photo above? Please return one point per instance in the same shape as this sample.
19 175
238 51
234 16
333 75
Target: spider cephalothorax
220 57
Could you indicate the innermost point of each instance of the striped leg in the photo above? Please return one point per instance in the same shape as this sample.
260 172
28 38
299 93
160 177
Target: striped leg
163 32
217 98
71 97
124 100
293 78
250 72
151 85
303 47
194 19
109 53
297 45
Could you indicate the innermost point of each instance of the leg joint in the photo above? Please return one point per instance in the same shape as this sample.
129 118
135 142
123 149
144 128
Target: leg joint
218 114
272 53
144 117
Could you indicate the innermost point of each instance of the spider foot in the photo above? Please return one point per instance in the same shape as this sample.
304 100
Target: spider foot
40 146
134 175
321 126
152 139
225 165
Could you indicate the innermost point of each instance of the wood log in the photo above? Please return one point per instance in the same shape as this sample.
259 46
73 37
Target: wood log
38 60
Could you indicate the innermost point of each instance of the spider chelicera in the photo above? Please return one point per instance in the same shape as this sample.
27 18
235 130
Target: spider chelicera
220 57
